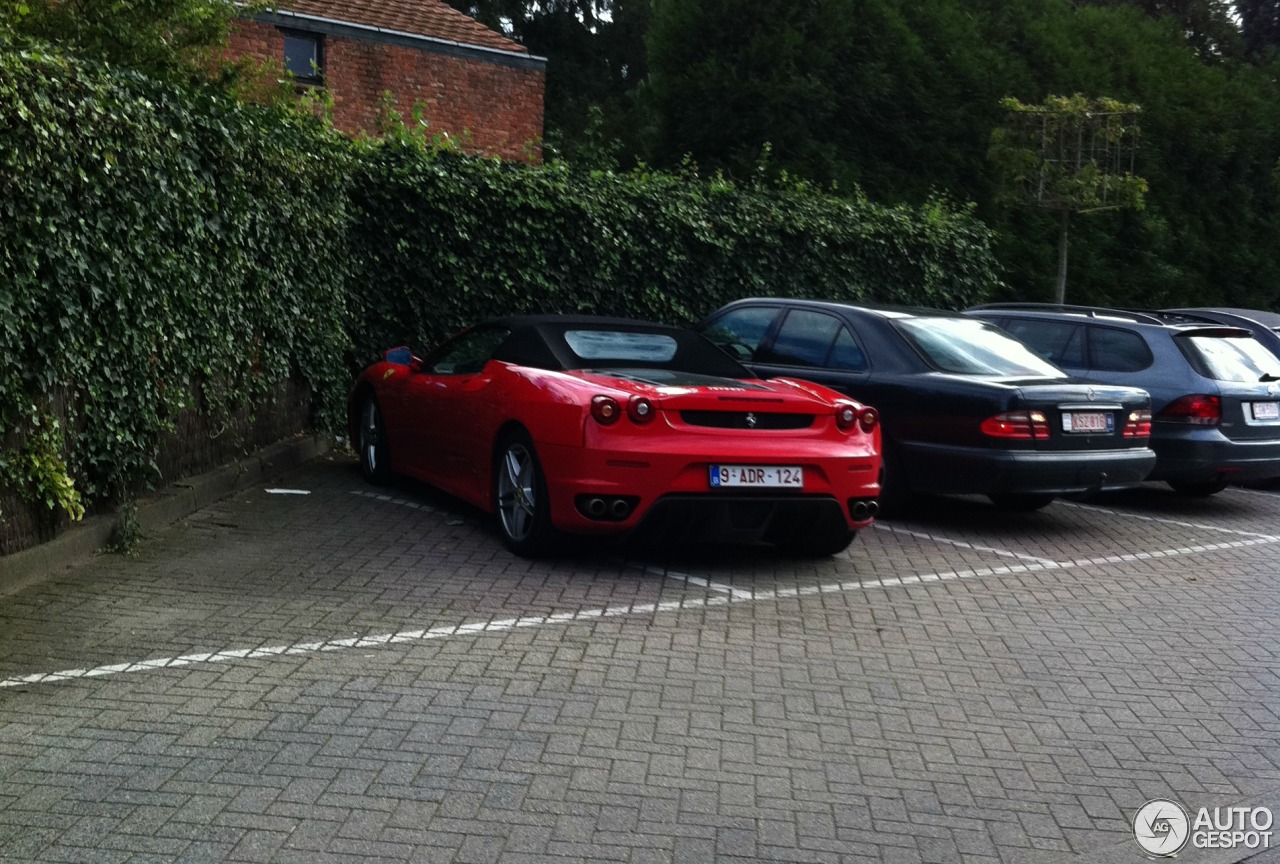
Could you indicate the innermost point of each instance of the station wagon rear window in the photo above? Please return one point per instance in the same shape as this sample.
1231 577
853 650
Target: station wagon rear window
970 347
1239 358
621 345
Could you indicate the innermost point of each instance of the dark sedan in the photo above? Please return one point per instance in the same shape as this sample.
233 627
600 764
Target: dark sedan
964 407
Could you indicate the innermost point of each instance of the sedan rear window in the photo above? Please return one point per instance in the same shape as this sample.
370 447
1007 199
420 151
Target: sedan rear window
1238 358
971 347
621 345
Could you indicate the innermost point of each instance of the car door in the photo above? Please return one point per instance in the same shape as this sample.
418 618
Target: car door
816 346
449 401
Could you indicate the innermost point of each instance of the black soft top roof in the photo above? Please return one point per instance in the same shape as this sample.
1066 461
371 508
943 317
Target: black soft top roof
538 341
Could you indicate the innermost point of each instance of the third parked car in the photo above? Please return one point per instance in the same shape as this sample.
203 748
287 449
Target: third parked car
1214 391
964 407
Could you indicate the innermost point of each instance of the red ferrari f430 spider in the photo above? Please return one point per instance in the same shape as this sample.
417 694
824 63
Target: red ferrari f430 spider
589 425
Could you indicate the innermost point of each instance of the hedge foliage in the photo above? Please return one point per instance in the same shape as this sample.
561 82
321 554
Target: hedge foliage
446 239
152 238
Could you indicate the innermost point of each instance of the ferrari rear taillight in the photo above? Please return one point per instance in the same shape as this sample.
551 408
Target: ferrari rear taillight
868 418
1138 425
606 410
1198 410
1023 425
641 410
846 416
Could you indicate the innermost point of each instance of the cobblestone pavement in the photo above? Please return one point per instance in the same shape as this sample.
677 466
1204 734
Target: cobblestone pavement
367 675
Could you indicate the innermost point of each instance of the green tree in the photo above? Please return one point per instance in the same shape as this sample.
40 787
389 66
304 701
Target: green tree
163 38
1070 155
1260 23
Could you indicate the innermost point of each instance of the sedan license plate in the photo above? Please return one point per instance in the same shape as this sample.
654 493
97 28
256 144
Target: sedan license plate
1266 410
757 476
1088 421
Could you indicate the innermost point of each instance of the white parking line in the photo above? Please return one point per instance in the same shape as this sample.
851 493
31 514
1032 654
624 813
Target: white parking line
507 624
1199 526
921 535
740 593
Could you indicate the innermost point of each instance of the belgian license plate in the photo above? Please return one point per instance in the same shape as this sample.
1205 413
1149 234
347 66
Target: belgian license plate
1088 421
757 476
1266 410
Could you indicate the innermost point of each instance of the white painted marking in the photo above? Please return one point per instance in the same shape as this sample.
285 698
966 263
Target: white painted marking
377 496
1007 553
288 492
1199 526
507 624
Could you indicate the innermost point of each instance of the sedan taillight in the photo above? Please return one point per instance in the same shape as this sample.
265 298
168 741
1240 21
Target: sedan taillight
1198 410
1138 425
1022 425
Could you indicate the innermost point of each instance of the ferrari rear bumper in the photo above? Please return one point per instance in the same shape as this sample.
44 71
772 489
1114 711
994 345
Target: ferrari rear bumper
664 490
740 519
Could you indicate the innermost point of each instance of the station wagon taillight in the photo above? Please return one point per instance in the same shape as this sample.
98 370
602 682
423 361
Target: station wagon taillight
1138 425
1023 425
1197 410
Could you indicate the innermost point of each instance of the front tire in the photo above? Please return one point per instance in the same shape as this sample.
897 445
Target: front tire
375 453
520 497
1198 488
1021 503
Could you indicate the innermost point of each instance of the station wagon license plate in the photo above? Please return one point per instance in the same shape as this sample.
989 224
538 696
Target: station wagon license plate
1088 421
1265 410
757 476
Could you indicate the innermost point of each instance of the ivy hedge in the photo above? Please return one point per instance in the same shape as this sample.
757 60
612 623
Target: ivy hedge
445 239
153 239
157 242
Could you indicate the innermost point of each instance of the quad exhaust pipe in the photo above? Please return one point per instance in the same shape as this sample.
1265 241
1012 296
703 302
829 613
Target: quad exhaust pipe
607 509
864 508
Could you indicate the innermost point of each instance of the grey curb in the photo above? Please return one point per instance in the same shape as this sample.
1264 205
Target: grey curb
163 508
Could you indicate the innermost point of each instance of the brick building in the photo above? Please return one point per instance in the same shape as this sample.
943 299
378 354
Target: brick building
470 78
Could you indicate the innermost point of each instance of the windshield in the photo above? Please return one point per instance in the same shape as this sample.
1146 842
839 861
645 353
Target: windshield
971 347
1237 358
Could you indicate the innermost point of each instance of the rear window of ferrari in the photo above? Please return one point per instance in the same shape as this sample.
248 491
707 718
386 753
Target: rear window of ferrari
621 345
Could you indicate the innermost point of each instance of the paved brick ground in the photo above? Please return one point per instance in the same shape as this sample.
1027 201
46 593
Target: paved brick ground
365 678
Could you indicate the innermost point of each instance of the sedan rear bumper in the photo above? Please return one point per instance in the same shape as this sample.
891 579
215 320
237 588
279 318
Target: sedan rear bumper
970 470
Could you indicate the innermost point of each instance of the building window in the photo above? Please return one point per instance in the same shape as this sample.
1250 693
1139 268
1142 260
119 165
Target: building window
304 56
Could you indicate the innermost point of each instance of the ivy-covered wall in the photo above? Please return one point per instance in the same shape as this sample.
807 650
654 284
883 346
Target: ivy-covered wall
156 246
170 260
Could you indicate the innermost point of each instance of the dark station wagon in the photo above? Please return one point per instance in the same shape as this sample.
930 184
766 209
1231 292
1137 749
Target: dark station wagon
1215 389
965 409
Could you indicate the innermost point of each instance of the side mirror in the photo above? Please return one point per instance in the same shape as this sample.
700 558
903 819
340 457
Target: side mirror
400 356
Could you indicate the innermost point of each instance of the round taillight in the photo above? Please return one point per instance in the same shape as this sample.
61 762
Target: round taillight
640 410
606 410
868 419
846 416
